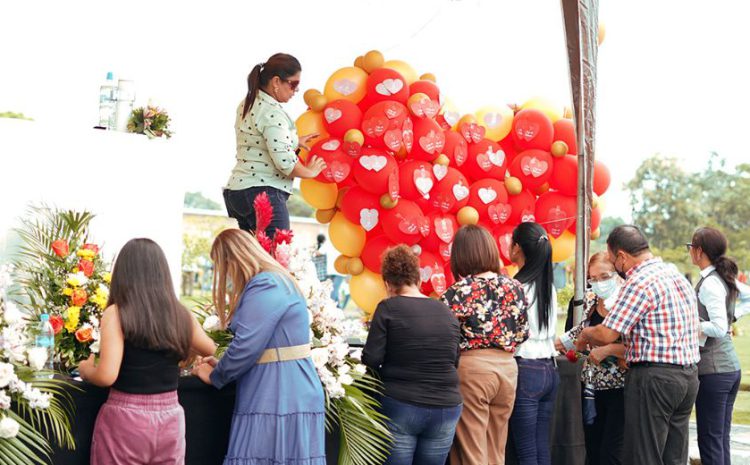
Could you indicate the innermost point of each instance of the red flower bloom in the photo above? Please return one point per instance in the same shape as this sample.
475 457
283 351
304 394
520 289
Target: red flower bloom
60 247
79 297
85 335
86 267
92 247
572 356
57 323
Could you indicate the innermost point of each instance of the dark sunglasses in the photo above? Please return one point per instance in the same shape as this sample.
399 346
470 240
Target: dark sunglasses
688 246
292 84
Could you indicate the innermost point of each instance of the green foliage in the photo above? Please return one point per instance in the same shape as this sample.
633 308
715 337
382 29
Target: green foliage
564 296
298 207
14 115
198 200
151 121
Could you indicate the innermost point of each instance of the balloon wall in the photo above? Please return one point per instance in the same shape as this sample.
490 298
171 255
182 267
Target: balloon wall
402 166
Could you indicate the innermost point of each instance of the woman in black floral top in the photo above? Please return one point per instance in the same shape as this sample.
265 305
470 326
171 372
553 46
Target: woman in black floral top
491 309
603 369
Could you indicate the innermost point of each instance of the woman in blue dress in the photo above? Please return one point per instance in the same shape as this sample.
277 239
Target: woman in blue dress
279 413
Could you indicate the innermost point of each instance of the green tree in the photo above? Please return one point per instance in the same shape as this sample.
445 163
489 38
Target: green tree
14 115
198 200
298 207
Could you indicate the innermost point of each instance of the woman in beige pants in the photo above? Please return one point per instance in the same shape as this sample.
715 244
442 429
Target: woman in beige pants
491 309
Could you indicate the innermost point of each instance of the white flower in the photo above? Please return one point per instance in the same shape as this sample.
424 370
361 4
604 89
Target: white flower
9 428
346 379
356 354
336 391
37 399
38 358
344 369
6 374
94 348
12 314
211 323
4 400
338 352
319 357
77 279
361 369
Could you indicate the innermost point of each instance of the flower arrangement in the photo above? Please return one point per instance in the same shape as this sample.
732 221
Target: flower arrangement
63 274
33 409
151 121
349 388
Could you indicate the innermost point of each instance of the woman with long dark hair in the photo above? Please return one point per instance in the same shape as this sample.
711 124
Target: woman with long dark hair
719 368
145 333
537 373
267 145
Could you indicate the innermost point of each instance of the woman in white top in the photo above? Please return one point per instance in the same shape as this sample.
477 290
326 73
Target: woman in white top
719 368
537 373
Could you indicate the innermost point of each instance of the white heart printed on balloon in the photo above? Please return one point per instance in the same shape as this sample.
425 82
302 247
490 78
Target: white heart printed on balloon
496 158
389 87
332 114
460 191
533 166
451 117
425 273
368 218
439 171
373 162
492 120
527 217
331 145
345 86
424 186
487 194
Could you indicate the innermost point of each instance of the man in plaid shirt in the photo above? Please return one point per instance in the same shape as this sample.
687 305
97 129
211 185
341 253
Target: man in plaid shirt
657 316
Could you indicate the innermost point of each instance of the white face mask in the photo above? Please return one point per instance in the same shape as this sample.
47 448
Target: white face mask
605 289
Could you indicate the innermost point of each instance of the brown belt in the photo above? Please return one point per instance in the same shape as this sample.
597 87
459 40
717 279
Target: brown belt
283 354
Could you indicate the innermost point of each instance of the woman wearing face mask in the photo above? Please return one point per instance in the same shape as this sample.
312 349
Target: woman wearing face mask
720 298
604 369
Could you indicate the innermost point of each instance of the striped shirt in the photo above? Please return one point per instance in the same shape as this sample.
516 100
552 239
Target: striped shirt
657 314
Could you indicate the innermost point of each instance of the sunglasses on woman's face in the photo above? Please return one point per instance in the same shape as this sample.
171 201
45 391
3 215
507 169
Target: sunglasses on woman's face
292 84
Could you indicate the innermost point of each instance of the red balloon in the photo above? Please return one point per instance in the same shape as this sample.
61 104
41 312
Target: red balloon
596 220
429 140
486 160
386 84
565 130
405 223
456 148
532 129
451 192
448 273
565 175
532 167
490 198
341 115
416 181
383 124
509 147
432 273
601 178
428 88
372 253
443 227
555 212
338 163
504 237
362 208
373 169
522 207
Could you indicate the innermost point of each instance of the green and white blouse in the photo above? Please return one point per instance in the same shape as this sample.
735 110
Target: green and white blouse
266 144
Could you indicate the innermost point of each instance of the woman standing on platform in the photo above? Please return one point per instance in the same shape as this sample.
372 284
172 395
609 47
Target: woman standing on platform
413 345
145 333
279 413
537 371
606 434
491 310
719 368
267 145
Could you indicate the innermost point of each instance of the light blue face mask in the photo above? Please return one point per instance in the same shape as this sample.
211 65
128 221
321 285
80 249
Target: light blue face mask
605 289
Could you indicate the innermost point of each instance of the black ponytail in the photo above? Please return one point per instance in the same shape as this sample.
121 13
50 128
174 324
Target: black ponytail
714 245
281 64
253 84
537 268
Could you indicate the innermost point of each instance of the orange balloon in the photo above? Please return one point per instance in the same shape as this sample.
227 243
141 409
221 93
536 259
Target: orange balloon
320 195
372 61
602 33
347 83
563 247
347 237
409 74
367 290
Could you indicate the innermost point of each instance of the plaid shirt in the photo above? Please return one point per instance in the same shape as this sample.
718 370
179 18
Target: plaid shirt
657 315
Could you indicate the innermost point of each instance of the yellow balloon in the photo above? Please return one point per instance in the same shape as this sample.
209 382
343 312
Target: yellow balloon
450 113
497 121
372 61
602 33
311 122
367 289
320 195
347 83
563 247
553 112
404 68
347 237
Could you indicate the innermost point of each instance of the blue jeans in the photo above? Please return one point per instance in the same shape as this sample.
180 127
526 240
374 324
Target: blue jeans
713 412
240 207
532 413
421 435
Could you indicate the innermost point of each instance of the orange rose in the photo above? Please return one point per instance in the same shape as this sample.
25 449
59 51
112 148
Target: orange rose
57 323
87 267
84 335
60 247
93 247
79 297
